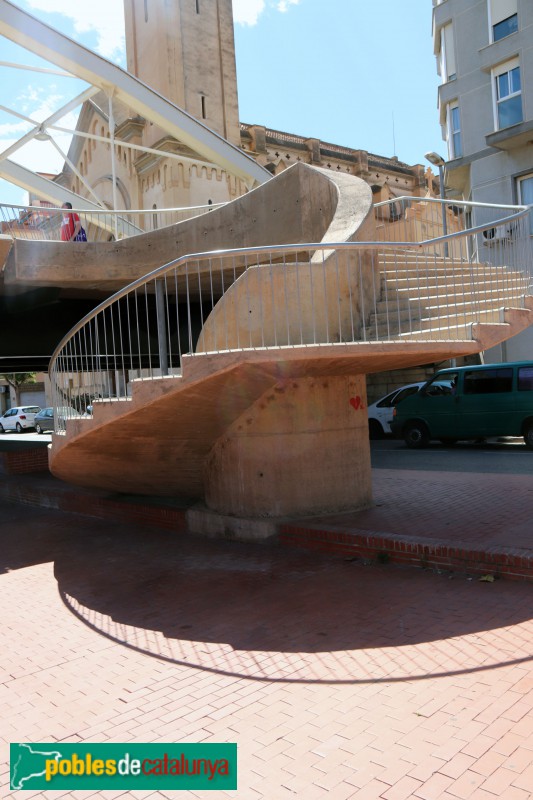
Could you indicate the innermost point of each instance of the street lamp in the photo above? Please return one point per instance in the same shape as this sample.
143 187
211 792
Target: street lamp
439 162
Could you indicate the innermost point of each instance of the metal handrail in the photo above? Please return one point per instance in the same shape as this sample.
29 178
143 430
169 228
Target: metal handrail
440 201
16 219
287 249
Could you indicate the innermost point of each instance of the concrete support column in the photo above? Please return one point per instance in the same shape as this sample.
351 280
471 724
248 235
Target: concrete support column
301 448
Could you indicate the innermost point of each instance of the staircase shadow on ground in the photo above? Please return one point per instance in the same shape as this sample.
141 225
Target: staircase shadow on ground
266 613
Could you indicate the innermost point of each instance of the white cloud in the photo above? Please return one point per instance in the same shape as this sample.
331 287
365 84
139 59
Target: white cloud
105 18
283 5
37 103
247 12
10 128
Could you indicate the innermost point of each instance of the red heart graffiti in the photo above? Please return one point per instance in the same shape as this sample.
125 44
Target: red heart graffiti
356 402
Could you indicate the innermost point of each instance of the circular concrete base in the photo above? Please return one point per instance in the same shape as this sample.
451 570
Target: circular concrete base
301 448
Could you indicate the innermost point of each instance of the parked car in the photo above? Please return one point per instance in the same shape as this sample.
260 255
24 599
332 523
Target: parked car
45 419
469 403
19 418
380 412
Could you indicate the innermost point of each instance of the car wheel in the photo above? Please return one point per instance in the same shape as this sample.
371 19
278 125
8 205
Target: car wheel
19 427
448 441
38 428
528 435
416 435
2 429
374 429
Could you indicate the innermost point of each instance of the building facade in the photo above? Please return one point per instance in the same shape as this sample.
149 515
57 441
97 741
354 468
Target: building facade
484 51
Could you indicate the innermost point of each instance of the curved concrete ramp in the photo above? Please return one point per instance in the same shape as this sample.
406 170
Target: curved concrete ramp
302 204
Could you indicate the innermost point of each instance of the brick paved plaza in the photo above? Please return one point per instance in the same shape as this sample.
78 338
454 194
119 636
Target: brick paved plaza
337 680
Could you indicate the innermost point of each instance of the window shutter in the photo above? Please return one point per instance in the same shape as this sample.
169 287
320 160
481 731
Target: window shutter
502 9
449 52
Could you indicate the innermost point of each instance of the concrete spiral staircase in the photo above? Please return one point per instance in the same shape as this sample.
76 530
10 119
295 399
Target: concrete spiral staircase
276 429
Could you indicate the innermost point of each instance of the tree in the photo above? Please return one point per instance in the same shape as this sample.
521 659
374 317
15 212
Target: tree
18 379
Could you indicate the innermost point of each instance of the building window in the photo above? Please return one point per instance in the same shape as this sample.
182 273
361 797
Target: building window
448 69
503 18
455 142
505 28
508 95
525 196
197 6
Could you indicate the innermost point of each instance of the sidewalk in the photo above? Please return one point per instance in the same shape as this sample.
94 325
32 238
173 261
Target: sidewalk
473 523
338 680
465 522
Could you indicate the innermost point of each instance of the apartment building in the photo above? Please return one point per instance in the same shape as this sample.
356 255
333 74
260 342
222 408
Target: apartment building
484 51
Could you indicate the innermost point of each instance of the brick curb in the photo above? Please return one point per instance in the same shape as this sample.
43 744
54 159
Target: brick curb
515 563
57 496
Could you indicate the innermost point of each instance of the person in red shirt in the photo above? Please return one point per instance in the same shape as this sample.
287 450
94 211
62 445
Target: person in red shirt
70 226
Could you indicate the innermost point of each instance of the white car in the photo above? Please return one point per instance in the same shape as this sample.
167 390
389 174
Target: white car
380 412
19 418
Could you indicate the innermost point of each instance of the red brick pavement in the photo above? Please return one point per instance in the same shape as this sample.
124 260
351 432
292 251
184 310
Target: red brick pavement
489 510
337 680
470 522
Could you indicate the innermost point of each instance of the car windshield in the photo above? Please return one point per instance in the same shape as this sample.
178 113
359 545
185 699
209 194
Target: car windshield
409 390
31 409
444 385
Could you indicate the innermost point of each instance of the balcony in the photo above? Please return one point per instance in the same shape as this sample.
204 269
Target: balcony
511 138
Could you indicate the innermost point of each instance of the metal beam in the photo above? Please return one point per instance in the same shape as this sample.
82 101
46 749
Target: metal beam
41 126
46 42
48 190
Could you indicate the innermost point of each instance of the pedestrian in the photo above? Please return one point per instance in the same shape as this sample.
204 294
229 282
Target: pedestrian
71 227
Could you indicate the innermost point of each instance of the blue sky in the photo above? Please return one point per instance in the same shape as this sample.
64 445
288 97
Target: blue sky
350 72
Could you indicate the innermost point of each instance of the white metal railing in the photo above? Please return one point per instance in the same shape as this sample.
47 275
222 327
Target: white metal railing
417 219
44 222
290 296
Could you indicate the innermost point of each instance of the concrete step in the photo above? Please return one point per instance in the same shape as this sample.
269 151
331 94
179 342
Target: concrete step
408 306
423 267
421 256
459 332
416 282
144 390
441 296
422 261
384 329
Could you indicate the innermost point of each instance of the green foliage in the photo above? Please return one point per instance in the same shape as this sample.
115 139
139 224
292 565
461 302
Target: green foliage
16 379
